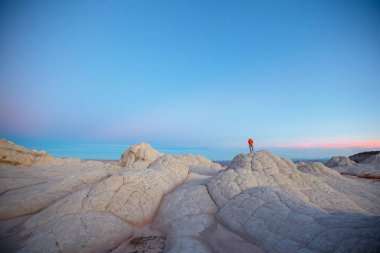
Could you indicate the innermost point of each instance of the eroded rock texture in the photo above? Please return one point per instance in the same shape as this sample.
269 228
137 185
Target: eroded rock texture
266 203
269 201
13 154
187 216
97 204
339 161
139 153
369 167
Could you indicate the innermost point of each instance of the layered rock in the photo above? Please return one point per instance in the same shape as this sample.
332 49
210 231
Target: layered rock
13 154
374 159
368 168
360 157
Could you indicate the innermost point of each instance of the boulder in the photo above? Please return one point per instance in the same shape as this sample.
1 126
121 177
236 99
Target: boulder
139 153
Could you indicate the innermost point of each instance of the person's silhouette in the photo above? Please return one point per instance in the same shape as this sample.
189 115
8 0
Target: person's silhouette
250 142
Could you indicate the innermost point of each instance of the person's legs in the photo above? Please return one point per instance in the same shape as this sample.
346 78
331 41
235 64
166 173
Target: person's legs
250 148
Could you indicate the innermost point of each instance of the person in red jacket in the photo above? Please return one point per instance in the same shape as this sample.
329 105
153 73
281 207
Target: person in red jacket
250 142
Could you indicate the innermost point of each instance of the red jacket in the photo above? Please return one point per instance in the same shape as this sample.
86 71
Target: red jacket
250 142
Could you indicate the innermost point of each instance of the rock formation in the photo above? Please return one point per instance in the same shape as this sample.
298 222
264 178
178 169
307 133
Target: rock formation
374 159
360 157
261 202
336 161
367 168
283 208
13 154
139 153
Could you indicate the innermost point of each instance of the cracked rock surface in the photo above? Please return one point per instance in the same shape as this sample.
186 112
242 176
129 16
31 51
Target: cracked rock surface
185 215
260 203
312 208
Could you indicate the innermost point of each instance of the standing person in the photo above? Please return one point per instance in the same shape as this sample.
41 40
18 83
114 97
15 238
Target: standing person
250 142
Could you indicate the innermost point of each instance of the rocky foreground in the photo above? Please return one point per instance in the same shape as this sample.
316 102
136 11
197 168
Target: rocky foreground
152 202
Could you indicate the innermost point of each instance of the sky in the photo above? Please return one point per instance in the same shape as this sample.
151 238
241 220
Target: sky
300 77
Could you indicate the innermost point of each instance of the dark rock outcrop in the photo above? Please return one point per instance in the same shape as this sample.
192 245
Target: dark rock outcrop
360 157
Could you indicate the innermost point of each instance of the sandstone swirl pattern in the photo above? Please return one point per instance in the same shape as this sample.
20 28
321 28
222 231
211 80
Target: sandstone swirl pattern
70 205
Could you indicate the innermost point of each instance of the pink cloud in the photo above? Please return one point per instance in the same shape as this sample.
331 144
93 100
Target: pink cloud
334 144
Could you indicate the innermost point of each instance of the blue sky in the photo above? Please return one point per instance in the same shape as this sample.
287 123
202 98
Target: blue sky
201 75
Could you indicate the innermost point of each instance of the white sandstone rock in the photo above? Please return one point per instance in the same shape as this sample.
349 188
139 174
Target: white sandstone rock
11 153
339 161
312 208
187 216
70 205
139 153
22 195
80 232
368 168
280 222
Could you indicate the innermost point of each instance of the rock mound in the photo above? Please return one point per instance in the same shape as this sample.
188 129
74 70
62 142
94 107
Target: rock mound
360 157
139 153
374 159
69 205
13 154
187 215
336 161
368 168
284 208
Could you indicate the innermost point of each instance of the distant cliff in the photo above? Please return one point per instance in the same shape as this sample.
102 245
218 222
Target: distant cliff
363 156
